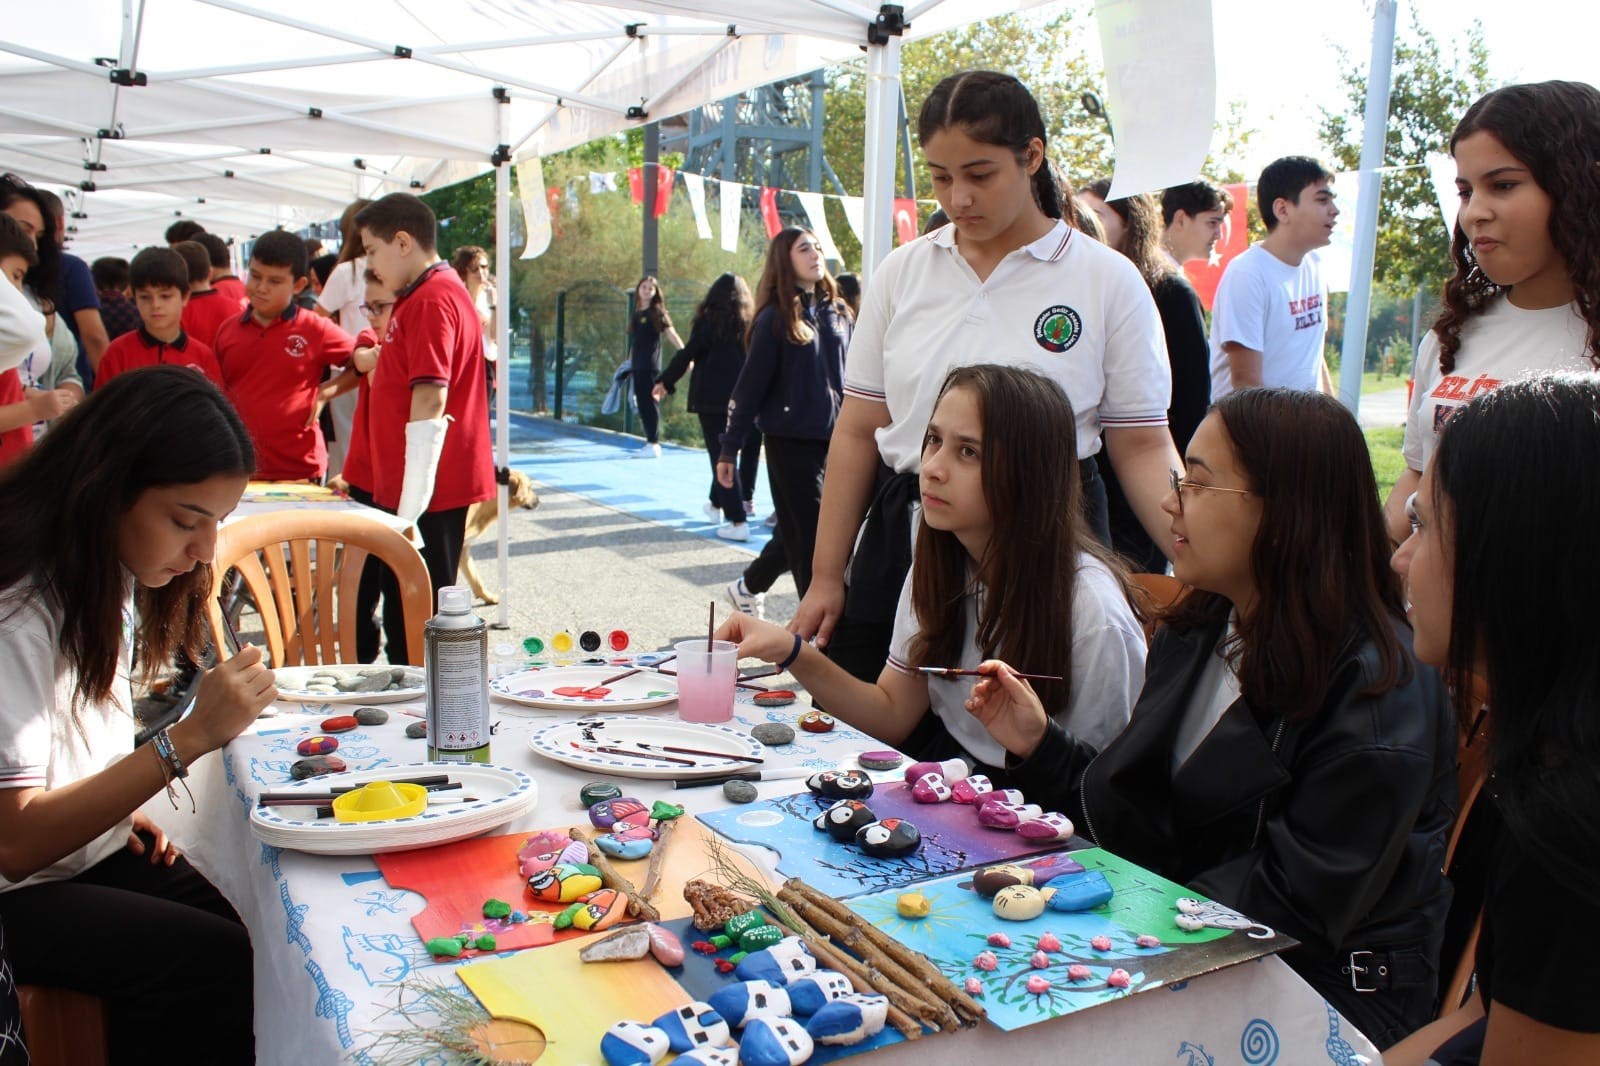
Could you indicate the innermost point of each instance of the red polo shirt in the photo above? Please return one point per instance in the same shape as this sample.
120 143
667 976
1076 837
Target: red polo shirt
233 289
205 313
358 458
14 443
271 374
138 349
435 338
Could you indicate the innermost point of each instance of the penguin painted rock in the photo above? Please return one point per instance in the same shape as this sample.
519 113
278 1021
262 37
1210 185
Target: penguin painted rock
844 819
891 838
840 784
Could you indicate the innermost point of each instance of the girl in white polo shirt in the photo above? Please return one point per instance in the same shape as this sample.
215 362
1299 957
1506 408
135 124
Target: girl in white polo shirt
1526 292
1006 282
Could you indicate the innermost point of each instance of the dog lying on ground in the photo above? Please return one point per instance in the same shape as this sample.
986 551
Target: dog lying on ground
480 517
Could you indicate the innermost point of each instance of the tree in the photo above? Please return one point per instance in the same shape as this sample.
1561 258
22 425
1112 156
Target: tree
1430 91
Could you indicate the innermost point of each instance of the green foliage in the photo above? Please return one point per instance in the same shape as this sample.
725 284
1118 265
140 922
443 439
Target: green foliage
1430 91
1388 462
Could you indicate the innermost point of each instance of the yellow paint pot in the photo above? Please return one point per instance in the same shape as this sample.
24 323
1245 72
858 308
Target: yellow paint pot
380 800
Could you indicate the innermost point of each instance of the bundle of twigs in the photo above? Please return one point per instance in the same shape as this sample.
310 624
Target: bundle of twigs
611 877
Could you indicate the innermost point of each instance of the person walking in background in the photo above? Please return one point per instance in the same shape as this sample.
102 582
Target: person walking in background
471 265
341 300
1191 217
650 322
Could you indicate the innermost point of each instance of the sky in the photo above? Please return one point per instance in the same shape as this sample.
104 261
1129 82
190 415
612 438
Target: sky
1280 59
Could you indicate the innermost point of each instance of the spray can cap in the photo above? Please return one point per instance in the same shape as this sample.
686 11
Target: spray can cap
455 599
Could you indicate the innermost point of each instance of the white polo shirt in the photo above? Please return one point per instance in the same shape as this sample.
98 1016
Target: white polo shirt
1065 305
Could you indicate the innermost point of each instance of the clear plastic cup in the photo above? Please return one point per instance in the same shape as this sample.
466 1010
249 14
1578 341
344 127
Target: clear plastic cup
706 679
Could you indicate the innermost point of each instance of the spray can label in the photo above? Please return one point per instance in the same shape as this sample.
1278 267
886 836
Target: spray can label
458 698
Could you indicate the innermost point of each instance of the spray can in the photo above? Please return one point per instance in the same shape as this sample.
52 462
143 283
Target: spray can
456 651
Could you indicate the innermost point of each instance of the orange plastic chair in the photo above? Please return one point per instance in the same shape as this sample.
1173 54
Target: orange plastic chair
300 567
1157 592
1472 773
63 1027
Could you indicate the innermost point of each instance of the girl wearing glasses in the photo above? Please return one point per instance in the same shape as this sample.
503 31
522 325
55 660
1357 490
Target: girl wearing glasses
1286 757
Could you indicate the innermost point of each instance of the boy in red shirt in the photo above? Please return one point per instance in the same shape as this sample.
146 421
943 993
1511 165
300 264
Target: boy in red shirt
160 283
222 278
273 357
207 308
428 420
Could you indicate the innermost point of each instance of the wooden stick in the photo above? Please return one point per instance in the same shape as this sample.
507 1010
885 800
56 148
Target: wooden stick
943 989
652 874
860 980
611 878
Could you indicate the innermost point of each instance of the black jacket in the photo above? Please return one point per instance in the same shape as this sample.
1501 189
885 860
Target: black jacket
717 362
788 389
1331 828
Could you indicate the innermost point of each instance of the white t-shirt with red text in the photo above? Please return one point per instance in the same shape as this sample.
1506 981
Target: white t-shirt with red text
1276 309
1502 344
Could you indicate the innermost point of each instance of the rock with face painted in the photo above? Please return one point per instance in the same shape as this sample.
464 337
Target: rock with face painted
844 819
840 784
1018 903
606 813
891 838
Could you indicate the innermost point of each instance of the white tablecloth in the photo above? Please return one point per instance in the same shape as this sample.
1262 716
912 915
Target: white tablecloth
329 934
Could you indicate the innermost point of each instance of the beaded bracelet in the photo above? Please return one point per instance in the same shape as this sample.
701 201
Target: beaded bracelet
172 768
793 655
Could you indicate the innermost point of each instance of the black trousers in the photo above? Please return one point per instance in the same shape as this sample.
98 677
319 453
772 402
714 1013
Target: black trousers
158 943
794 476
442 535
644 380
770 565
368 643
13 1046
731 500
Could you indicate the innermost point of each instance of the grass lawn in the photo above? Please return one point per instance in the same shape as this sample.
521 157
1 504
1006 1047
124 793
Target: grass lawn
1370 382
1387 463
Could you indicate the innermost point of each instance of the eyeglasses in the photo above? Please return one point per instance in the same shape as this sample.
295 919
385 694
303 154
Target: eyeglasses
374 310
1179 483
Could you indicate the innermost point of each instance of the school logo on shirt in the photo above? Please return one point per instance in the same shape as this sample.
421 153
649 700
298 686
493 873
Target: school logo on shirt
1057 328
295 345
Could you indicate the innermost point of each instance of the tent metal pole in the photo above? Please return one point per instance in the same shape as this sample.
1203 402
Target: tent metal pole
883 108
1352 356
502 321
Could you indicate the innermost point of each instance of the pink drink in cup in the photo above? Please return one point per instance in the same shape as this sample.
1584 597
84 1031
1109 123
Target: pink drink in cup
706 681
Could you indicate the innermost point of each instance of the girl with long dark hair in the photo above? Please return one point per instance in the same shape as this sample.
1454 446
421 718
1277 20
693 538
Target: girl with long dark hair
1286 757
1004 569
105 567
1525 296
1009 281
1500 586
650 322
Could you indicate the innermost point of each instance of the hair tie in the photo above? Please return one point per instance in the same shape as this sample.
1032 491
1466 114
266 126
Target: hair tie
793 655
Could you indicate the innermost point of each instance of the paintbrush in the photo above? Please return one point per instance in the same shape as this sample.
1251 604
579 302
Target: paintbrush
326 811
697 751
629 673
781 773
289 799
632 754
952 671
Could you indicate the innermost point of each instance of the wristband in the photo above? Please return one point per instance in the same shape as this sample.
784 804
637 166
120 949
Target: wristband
793 655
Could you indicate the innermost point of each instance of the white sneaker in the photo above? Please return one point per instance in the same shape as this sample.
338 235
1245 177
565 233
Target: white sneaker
647 451
749 508
753 604
712 511
734 531
771 521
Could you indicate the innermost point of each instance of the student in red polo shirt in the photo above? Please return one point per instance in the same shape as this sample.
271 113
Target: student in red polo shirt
207 308
223 278
272 360
160 283
428 427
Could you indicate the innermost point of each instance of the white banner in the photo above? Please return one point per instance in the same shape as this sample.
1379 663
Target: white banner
1338 258
696 184
855 213
1442 174
599 183
535 208
1161 90
731 195
811 203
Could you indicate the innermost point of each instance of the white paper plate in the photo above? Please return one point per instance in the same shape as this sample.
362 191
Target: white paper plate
555 742
292 681
537 688
503 794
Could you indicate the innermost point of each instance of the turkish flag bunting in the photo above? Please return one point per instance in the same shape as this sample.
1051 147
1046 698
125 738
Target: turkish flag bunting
664 179
905 219
1205 274
769 211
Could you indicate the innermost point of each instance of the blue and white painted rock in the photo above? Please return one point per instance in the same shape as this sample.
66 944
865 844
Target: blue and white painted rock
849 1019
693 1025
619 848
634 1044
784 961
775 1042
745 1001
810 992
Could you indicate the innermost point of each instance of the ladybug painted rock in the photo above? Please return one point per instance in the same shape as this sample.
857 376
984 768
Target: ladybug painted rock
317 746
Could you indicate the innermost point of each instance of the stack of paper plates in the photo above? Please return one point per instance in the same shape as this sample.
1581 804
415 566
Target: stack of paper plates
321 684
501 795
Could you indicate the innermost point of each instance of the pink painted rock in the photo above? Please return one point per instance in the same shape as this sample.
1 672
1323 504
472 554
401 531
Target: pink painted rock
317 746
1007 815
665 945
974 987
1049 942
1039 961
986 961
547 849
952 770
339 724
1119 979
1078 972
1038 985
1001 795
1148 941
1046 827
999 940
930 788
968 789
1100 943
633 830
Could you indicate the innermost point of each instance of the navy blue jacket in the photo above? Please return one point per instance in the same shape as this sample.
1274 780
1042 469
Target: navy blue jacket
788 389
717 362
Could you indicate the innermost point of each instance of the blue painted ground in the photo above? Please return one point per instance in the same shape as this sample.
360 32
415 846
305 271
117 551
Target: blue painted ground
597 464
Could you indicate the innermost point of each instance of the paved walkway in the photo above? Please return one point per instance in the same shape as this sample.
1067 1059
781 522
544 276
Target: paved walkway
1386 409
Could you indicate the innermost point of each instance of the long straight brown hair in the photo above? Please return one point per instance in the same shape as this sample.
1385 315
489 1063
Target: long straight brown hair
656 309
780 288
1030 568
1320 559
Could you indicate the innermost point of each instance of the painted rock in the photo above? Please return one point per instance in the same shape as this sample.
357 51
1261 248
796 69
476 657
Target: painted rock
739 792
773 734
742 923
1018 903
1079 972
709 1056
811 992
968 789
930 788
596 912
624 808
1119 978
991 879
665 946
662 811
762 936
1038 985
844 819
744 1001
1049 942
317 746
371 715
777 697
775 1042
840 784
634 1044
633 828
1000 795
999 940
1007 815
547 849
496 908
891 838
912 905
1039 961
880 760
626 944
1079 891
595 791
779 964
619 848
974 987
1100 943
564 883
316 766
986 961
952 770
1145 940
1047 827
486 942
339 724
693 1025
443 947
417 730
849 1019
816 722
